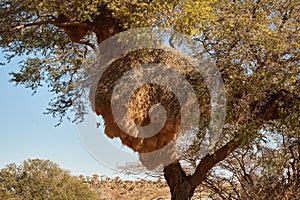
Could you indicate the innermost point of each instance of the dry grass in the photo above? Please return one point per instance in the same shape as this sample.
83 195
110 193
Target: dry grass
117 189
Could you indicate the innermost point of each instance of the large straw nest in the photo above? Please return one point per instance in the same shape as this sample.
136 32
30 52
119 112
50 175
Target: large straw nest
147 96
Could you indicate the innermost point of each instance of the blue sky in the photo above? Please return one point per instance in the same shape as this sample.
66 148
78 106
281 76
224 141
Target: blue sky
27 133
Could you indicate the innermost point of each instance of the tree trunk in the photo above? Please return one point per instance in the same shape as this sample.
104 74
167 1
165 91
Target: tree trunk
180 187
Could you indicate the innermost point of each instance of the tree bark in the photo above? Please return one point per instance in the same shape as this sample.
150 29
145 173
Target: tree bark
178 182
182 187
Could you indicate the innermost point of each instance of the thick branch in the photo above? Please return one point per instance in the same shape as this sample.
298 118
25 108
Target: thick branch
211 160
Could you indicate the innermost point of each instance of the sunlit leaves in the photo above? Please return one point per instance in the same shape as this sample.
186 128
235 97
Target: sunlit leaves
254 43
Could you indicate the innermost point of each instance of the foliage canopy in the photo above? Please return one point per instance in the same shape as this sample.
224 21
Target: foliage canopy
254 43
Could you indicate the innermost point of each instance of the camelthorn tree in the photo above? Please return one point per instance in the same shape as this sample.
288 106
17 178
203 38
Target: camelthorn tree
254 43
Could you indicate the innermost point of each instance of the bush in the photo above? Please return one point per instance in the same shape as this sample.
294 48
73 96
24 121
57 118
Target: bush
41 179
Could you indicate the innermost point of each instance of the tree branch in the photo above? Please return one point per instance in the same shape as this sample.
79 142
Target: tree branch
211 160
39 23
88 44
64 25
22 26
